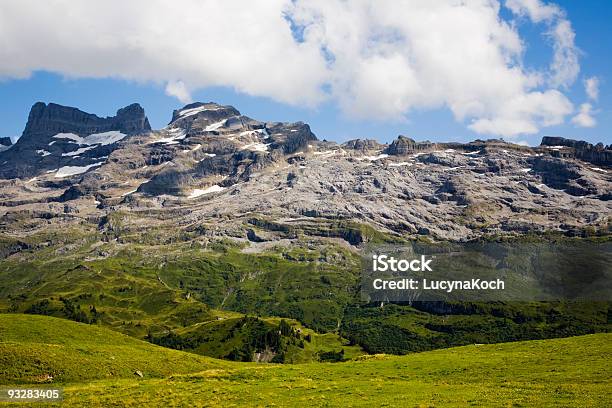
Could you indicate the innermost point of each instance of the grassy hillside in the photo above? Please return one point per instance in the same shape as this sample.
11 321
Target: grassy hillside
181 287
400 329
562 372
35 348
136 287
273 339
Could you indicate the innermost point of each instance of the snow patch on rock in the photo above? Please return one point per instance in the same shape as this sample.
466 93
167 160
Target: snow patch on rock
215 126
257 147
194 111
200 192
67 171
102 139
79 151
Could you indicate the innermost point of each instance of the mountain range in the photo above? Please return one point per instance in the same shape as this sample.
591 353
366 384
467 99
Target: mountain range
211 164
202 235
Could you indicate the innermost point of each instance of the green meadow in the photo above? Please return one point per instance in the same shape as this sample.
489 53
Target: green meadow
97 367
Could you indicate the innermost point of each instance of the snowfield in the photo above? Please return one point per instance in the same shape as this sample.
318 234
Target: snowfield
215 126
400 164
194 111
257 147
199 192
379 157
67 171
79 151
175 134
103 139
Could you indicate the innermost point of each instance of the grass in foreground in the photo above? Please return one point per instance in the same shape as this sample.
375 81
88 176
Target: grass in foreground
561 372
35 348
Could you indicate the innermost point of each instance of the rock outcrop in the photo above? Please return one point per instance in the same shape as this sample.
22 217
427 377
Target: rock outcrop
48 120
579 149
59 136
403 146
363 145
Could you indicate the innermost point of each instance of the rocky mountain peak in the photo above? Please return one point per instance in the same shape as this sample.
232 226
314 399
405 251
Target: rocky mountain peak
222 142
201 112
579 149
403 146
132 119
47 120
57 136
363 145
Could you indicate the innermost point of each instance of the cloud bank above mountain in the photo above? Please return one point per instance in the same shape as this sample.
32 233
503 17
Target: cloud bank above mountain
377 60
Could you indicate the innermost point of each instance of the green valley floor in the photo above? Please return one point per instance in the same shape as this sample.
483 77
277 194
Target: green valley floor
97 367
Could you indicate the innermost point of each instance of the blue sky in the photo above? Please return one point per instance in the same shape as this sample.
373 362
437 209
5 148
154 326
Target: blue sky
329 117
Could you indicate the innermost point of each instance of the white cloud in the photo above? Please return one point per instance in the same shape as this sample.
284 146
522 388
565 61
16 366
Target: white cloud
591 86
564 66
376 60
179 91
525 113
243 45
536 10
585 118
391 59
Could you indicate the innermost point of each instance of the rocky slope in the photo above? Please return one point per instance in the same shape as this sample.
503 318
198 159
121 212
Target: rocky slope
220 173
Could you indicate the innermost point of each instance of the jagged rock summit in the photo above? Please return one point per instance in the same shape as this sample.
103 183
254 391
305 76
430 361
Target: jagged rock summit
47 120
57 137
568 148
224 144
